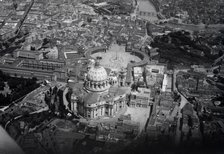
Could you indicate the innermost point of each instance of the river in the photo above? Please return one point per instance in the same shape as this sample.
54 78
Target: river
192 27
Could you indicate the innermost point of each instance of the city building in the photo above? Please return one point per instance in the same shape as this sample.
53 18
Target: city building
137 72
154 75
141 98
28 54
41 69
100 98
146 11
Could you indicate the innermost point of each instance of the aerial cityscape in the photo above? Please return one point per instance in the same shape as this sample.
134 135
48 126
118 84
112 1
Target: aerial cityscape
111 76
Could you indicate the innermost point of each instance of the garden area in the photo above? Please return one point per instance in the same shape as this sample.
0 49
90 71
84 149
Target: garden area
13 88
183 48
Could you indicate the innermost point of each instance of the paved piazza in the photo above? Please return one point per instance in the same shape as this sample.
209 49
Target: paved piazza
139 115
116 57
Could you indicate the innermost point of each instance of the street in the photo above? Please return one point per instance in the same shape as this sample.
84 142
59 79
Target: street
182 104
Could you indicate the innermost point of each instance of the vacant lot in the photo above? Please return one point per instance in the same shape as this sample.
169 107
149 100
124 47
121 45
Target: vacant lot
138 115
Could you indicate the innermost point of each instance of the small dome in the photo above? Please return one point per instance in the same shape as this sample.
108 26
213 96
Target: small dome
97 73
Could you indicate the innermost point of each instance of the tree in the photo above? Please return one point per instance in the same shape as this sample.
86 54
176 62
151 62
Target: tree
190 122
181 124
34 79
220 53
89 19
55 90
68 97
61 106
25 113
133 87
189 134
177 97
2 85
15 5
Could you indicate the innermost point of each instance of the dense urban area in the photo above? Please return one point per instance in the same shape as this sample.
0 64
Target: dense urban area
111 76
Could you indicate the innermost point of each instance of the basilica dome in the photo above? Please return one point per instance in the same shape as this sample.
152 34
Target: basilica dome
97 73
97 79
